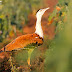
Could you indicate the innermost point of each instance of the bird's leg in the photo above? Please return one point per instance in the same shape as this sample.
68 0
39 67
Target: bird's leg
29 55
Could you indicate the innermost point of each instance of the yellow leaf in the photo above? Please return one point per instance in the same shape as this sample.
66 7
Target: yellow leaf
2 16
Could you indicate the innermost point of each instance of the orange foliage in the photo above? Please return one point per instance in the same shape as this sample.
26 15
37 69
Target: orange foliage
58 8
50 22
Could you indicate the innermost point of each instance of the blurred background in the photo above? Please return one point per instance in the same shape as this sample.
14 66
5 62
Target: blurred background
17 17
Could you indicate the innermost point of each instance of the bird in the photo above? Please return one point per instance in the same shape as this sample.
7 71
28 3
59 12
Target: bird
28 41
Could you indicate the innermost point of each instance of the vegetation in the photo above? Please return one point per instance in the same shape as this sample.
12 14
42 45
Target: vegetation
58 56
14 14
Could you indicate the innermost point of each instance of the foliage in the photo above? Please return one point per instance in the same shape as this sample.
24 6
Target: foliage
59 54
14 14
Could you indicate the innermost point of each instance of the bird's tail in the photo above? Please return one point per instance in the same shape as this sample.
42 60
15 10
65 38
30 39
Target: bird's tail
3 55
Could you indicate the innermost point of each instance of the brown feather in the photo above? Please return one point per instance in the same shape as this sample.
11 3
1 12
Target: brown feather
22 41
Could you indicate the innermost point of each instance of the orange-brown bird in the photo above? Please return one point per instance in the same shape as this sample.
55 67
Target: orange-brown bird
30 40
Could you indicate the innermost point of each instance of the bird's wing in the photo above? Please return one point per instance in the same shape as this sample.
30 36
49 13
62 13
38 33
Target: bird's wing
23 41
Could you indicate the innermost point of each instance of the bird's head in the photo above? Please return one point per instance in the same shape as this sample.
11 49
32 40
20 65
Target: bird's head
40 12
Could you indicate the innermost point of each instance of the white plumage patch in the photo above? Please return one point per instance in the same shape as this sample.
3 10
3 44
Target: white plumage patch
39 30
36 37
38 27
38 23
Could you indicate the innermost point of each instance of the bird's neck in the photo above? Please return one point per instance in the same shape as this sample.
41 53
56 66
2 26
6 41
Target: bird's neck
39 30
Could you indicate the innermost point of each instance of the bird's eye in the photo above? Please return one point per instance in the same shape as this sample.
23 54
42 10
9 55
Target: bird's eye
40 10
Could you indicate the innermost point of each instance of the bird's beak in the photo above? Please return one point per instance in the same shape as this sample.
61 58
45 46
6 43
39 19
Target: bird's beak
46 9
